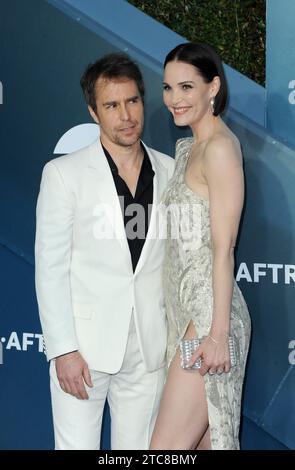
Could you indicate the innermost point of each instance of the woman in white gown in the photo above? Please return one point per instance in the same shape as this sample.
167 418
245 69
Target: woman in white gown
201 408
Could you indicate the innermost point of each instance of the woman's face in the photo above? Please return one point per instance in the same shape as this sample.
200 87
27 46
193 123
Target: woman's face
186 94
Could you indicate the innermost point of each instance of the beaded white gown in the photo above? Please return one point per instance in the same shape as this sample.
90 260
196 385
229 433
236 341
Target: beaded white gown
187 280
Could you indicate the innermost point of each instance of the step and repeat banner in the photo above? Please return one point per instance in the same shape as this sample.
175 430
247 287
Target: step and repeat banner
42 115
280 69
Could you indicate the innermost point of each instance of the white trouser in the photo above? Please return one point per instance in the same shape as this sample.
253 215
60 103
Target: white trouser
133 396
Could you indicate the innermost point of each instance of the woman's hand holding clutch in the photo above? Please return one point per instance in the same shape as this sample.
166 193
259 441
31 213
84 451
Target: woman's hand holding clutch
213 356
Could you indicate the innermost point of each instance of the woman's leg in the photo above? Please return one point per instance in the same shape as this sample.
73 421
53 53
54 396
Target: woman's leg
205 442
182 421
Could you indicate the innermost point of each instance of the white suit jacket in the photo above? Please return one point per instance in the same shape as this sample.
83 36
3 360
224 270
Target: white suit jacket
85 285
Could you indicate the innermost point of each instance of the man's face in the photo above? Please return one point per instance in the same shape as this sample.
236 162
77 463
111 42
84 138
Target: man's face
119 111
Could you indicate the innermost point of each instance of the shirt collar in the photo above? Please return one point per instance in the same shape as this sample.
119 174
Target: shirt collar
146 166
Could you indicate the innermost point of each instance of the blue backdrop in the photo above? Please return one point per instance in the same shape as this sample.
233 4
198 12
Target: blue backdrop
280 69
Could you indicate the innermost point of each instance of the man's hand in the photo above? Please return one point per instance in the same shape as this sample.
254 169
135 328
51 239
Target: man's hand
71 369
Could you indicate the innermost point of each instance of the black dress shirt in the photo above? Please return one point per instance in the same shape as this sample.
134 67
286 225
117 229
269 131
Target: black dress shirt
136 218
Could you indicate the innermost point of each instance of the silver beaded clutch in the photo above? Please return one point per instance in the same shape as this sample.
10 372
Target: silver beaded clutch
188 347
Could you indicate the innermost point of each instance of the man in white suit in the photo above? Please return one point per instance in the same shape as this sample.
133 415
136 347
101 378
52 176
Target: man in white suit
98 269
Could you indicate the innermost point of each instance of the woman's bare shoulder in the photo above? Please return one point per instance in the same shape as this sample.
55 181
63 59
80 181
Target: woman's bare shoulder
223 148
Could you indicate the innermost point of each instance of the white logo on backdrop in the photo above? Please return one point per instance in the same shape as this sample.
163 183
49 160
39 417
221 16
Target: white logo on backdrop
276 273
1 353
1 93
21 342
292 353
76 138
292 94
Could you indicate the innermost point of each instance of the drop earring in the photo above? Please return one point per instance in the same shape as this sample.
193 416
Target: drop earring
212 103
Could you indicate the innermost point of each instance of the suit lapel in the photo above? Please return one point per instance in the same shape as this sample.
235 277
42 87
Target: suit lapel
104 186
160 180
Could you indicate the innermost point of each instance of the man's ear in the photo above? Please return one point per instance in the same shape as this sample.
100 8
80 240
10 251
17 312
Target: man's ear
93 115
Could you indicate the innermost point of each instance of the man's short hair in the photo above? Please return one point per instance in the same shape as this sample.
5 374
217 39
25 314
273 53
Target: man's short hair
111 66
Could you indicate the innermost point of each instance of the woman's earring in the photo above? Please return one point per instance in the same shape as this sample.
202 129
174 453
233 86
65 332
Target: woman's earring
212 103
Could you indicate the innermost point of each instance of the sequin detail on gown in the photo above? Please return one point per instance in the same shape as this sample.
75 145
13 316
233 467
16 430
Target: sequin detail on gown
187 282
